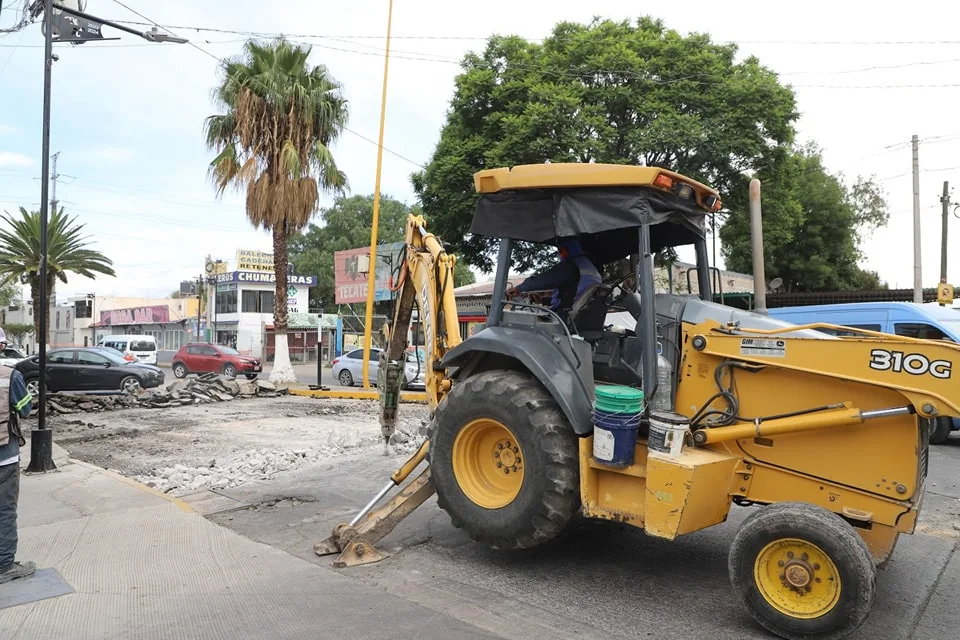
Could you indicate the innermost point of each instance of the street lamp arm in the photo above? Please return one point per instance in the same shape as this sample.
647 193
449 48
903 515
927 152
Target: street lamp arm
154 35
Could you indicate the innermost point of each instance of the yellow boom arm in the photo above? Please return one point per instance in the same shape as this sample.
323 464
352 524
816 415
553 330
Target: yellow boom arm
425 281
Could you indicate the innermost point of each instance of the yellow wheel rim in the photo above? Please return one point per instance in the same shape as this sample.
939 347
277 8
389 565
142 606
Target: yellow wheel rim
488 463
797 578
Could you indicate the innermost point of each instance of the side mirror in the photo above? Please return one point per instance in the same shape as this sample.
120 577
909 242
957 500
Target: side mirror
106 365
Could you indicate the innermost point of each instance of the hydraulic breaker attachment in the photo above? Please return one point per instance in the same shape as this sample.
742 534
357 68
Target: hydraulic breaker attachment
355 540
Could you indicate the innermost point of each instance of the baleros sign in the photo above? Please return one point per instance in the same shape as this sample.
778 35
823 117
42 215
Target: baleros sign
159 314
250 260
256 277
350 275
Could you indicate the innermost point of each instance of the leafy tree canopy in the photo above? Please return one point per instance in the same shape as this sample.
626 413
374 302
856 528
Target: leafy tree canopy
813 223
629 92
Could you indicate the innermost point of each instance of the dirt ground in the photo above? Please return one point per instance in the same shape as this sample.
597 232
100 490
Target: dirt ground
216 446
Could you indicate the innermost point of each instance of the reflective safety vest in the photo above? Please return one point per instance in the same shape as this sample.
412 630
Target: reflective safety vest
5 412
589 277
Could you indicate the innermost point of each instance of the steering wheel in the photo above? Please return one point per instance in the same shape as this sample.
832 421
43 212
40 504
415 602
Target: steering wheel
614 292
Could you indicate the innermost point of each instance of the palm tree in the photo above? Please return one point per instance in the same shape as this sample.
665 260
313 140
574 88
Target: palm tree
67 252
280 116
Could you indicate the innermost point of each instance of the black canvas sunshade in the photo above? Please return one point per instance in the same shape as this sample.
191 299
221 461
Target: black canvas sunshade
605 219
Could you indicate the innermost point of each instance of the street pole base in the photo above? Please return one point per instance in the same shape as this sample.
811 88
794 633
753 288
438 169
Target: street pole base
41 451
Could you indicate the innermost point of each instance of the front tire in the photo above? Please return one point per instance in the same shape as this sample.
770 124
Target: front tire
130 385
802 572
940 429
504 461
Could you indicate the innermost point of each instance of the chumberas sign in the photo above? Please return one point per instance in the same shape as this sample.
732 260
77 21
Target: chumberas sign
263 277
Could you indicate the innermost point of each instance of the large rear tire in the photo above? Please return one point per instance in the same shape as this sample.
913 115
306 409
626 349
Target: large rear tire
503 458
802 572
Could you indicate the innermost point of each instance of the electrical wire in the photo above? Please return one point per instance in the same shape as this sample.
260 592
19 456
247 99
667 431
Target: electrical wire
159 26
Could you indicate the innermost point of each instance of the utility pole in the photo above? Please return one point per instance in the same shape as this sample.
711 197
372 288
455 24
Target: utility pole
917 270
199 303
945 202
53 178
41 438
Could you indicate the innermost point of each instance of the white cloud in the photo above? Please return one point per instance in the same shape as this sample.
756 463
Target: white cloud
12 159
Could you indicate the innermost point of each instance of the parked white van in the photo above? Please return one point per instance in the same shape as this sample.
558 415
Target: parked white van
135 348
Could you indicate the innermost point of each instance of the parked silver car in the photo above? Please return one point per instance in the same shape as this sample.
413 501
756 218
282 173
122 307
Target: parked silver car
348 369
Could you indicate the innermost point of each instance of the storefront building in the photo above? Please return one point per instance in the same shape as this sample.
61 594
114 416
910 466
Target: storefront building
242 312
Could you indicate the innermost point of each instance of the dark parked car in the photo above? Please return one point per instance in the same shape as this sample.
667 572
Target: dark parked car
202 357
89 369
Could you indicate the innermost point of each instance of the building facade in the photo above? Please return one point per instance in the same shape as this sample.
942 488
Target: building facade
241 312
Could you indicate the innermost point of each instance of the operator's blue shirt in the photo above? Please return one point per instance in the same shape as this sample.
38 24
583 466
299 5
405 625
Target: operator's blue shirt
21 404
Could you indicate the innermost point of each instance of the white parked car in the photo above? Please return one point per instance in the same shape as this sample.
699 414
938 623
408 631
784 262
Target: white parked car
348 369
10 356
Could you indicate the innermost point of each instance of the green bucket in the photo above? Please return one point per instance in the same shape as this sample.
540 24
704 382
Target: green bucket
618 399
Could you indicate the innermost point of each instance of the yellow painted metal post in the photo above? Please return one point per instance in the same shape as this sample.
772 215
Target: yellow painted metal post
372 276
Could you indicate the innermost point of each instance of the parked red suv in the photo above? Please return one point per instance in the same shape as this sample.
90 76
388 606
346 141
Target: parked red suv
201 357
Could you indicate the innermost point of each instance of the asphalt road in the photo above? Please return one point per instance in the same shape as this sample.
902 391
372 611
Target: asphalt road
602 580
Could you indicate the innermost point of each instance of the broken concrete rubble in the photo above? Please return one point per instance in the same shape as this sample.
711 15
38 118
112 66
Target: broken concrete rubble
207 388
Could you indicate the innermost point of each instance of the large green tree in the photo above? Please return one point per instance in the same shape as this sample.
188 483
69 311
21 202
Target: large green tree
346 225
813 223
279 117
628 92
67 252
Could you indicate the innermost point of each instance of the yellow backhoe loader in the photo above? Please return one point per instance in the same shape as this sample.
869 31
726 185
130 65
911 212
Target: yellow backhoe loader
826 437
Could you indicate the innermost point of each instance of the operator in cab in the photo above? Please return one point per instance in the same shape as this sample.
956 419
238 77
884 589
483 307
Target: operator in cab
572 279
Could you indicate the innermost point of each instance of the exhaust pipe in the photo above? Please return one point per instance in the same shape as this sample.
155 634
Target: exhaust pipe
756 242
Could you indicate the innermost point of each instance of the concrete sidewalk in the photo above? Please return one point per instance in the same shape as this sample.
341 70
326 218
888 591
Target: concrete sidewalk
143 565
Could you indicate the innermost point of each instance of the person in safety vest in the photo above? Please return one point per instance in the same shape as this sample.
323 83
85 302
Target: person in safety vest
19 404
573 279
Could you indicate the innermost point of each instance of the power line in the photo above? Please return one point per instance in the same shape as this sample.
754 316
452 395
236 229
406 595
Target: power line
485 38
159 26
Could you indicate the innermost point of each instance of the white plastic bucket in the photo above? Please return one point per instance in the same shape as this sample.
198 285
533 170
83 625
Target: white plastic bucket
667 432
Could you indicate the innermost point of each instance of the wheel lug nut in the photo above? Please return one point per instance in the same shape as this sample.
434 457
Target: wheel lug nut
516 450
779 563
790 554
804 556
817 579
506 471
499 445
816 566
499 464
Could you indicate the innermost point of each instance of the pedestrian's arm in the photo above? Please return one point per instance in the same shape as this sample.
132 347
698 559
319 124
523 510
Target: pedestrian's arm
20 398
552 278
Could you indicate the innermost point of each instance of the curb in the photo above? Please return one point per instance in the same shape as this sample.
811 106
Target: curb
406 396
183 506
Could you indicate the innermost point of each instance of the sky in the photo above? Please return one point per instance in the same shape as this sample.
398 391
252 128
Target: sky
128 115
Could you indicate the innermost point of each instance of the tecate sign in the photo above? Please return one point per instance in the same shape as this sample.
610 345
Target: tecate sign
350 283
265 278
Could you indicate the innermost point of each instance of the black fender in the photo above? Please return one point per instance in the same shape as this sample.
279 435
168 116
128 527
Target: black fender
550 363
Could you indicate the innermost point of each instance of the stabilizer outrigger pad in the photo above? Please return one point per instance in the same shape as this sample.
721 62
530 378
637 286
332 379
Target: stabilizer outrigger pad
356 543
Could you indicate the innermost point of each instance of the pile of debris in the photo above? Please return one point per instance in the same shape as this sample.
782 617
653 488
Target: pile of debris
209 387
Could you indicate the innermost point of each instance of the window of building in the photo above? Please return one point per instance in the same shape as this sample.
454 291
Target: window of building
257 302
83 309
920 330
172 339
226 301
